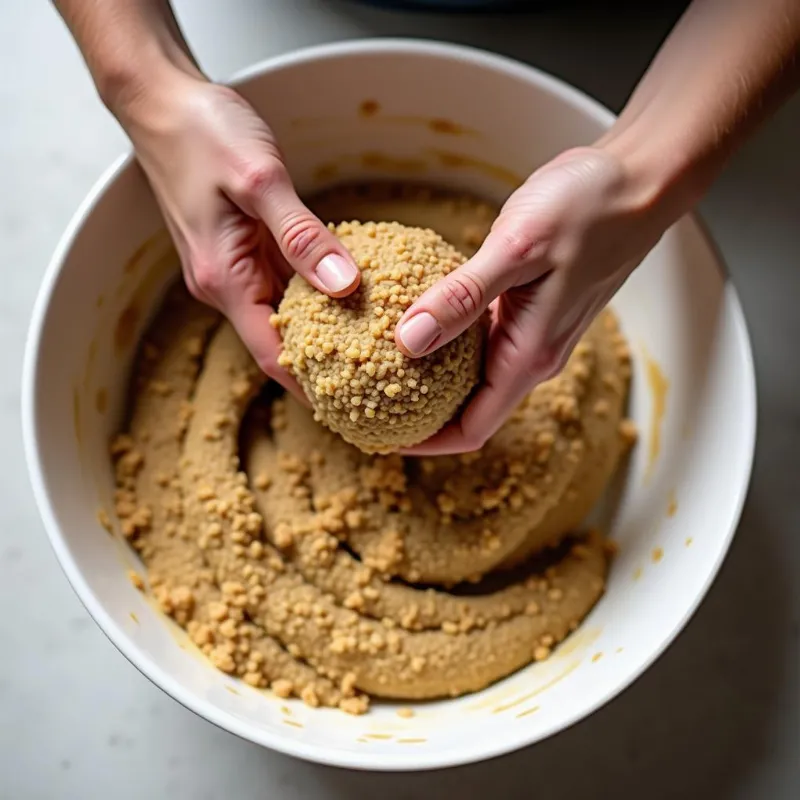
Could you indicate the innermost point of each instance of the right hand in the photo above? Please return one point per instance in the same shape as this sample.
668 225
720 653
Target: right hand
238 225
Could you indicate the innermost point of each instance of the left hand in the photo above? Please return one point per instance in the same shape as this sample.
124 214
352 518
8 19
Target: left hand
563 244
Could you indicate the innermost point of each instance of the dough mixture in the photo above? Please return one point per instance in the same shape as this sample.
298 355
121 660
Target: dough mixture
343 351
301 564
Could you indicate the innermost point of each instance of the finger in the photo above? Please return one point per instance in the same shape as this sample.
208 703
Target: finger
251 321
243 289
307 245
458 300
523 351
503 389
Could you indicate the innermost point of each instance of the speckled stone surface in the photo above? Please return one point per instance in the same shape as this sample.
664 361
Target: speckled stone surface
717 717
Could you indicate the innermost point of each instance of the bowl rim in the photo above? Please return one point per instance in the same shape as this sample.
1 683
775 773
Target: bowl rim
481 750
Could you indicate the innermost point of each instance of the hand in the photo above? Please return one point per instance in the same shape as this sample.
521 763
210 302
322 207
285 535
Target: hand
562 245
239 227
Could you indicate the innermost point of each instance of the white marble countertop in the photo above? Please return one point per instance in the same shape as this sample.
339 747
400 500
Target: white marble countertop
717 717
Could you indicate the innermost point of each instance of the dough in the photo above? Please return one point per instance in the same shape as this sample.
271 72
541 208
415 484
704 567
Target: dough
298 562
343 353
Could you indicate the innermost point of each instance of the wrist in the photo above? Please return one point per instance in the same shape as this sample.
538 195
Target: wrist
131 86
665 174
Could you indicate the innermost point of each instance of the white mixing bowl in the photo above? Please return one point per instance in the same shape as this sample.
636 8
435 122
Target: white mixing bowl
460 118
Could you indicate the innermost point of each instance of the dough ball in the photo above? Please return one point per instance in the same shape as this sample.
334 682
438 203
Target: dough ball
343 354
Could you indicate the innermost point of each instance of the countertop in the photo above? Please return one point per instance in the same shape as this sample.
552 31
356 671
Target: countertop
718 716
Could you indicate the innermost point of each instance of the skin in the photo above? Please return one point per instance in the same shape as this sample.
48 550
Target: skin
238 225
561 247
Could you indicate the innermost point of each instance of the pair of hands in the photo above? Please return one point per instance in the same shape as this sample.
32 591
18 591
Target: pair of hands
562 245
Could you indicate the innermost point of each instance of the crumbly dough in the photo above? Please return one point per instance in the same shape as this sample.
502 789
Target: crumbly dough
297 562
451 519
343 353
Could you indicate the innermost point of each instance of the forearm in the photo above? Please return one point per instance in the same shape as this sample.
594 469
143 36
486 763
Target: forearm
129 46
724 68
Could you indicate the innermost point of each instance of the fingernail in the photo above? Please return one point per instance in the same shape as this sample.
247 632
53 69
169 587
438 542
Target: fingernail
418 334
335 273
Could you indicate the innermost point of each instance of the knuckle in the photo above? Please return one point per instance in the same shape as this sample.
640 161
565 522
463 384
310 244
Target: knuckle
518 246
256 178
299 236
464 293
244 269
206 276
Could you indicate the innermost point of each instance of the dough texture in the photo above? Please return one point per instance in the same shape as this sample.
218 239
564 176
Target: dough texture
298 562
342 351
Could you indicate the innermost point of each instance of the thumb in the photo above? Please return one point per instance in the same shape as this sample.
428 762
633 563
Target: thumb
458 300
305 242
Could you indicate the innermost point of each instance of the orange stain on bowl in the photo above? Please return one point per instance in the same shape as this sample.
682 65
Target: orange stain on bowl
378 736
125 329
91 357
132 264
543 688
292 723
657 554
637 573
101 401
369 108
412 740
375 160
659 387
447 127
142 253
133 616
596 657
494 696
460 161
325 173
579 640
527 712
672 505
76 414
506 706
688 542
232 690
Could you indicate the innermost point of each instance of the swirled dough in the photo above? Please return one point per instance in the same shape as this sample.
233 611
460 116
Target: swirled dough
297 562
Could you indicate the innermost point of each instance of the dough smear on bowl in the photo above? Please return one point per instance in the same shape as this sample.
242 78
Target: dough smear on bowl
342 351
298 562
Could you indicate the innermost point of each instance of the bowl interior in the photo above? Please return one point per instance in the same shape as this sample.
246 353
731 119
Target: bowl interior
460 119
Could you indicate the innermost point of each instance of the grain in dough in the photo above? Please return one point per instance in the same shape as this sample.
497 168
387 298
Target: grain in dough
342 350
